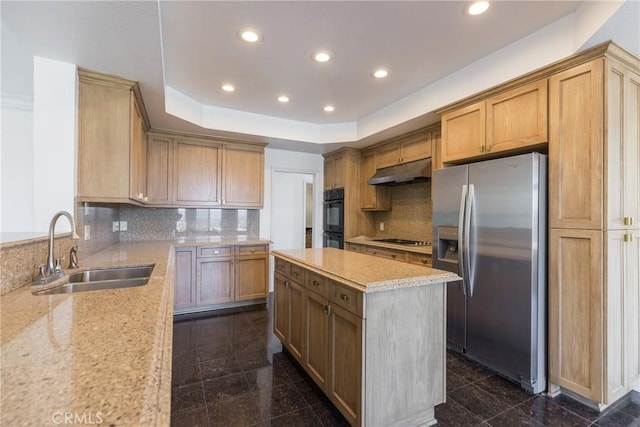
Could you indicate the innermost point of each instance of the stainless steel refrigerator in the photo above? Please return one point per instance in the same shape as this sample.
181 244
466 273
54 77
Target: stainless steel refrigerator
489 227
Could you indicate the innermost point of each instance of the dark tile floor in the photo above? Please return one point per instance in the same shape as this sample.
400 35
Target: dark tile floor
225 375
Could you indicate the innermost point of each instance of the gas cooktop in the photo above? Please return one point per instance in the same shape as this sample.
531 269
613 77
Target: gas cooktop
404 242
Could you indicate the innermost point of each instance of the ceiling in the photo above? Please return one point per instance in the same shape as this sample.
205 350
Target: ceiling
193 47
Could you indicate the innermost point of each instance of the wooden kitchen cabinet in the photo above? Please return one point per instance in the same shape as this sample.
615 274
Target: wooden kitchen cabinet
251 272
372 197
197 173
159 170
185 283
407 148
509 121
111 125
242 175
594 116
334 173
289 314
138 155
213 277
316 324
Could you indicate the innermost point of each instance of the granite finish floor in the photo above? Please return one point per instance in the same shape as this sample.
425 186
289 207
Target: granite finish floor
225 375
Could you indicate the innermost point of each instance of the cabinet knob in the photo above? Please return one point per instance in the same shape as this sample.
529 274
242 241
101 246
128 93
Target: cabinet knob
393 256
344 297
374 252
424 261
281 267
315 283
295 273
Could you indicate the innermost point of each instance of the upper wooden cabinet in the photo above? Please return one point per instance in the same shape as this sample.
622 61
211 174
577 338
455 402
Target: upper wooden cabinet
409 148
334 171
138 155
111 127
242 175
509 121
190 171
197 166
372 197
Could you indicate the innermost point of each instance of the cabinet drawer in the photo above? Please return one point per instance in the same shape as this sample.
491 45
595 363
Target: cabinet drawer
316 283
422 259
353 247
206 251
346 297
297 273
386 253
283 267
248 250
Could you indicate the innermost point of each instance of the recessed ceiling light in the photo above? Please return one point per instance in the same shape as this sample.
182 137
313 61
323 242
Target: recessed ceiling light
250 36
322 56
228 88
283 98
478 7
329 108
380 73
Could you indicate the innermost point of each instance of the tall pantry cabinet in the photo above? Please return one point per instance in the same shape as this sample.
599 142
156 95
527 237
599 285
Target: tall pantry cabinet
594 218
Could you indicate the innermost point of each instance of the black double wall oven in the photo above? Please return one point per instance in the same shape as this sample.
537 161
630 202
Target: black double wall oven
334 218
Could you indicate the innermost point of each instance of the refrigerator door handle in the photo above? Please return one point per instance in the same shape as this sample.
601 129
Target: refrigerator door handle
461 216
467 239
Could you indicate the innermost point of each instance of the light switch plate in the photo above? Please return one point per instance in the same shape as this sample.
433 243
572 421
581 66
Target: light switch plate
123 225
115 226
181 226
87 232
382 226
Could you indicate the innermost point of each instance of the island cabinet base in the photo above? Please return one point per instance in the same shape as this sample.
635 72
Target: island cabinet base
378 356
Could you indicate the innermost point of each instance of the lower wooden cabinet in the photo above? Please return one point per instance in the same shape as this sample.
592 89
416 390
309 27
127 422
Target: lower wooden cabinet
288 323
316 329
594 321
210 277
420 258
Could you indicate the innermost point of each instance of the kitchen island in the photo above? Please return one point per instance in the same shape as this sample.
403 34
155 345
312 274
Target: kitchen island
369 331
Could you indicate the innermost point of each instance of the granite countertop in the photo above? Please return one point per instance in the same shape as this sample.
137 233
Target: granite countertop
369 241
364 272
102 356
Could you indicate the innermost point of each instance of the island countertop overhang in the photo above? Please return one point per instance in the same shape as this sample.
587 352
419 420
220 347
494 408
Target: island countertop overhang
364 273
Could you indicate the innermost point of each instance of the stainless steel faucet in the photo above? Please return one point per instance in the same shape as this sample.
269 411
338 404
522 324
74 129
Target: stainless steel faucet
52 270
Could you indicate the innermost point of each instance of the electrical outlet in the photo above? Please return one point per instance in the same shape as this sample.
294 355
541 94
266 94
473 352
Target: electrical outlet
382 226
115 226
123 225
181 226
87 232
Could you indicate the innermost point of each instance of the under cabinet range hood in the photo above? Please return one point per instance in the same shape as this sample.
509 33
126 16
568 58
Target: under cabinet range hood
405 173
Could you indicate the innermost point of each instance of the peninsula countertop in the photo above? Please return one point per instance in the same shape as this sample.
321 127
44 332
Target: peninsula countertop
364 273
101 357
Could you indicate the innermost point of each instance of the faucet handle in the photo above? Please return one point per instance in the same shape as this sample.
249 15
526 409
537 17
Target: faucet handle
58 266
42 268
73 257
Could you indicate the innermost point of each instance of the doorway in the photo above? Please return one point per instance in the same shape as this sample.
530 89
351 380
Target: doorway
292 209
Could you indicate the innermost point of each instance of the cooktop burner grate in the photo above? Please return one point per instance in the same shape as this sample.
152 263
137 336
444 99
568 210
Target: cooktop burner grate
404 242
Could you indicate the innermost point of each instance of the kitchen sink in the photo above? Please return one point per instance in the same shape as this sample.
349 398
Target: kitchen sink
103 278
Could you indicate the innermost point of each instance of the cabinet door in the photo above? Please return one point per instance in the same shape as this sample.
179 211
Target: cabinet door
296 320
281 307
415 148
243 176
197 172
185 286
576 147
372 197
103 142
329 173
138 172
517 118
316 325
622 313
214 280
575 311
159 171
622 169
345 358
463 133
251 277
387 155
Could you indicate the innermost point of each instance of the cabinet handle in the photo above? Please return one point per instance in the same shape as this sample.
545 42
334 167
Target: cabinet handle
628 220
344 297
374 252
327 309
286 284
424 261
216 252
315 283
281 267
482 148
628 237
488 148
393 256
295 273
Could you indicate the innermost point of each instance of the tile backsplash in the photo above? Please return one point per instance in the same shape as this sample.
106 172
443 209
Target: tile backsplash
410 214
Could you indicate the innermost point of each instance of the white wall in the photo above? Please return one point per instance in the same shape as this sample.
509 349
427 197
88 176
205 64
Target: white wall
54 141
16 135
